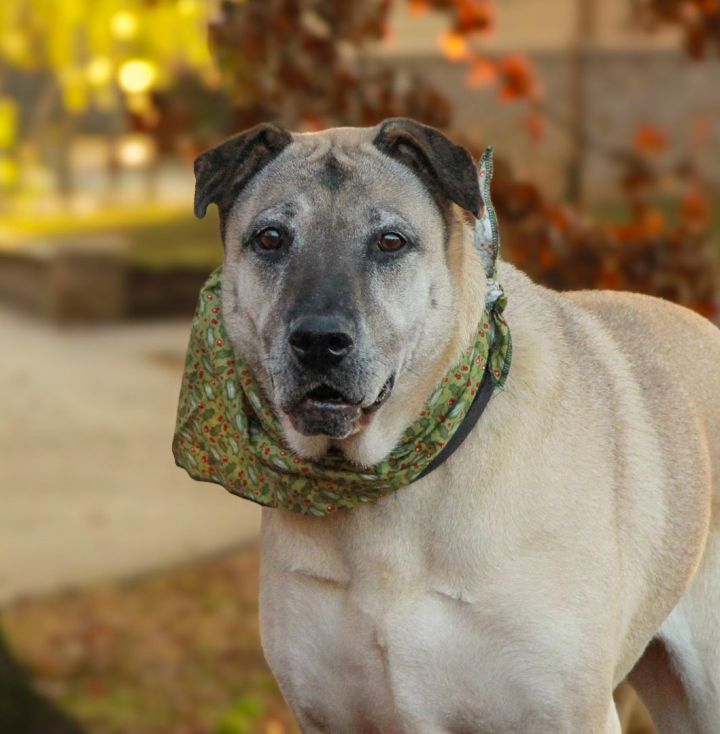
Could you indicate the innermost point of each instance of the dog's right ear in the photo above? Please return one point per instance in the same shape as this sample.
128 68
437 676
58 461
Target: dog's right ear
434 158
222 172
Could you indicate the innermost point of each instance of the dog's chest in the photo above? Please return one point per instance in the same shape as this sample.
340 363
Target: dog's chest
391 641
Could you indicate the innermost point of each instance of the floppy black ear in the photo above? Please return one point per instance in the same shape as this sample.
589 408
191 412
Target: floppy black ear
221 172
436 159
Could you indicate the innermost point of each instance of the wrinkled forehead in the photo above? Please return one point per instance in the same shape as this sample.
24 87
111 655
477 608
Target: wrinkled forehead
339 171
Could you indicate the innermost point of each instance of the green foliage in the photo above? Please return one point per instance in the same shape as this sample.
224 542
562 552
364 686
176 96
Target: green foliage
241 717
95 46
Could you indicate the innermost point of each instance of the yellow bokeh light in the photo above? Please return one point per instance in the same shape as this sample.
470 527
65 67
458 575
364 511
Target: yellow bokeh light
99 71
75 96
124 25
187 7
137 76
9 118
136 150
139 104
14 46
9 172
453 45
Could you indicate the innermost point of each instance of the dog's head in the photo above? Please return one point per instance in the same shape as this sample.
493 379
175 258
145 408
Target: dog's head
337 285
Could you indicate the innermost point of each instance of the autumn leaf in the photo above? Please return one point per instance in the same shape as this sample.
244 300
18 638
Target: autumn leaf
650 140
483 72
695 208
474 16
708 6
535 125
559 218
653 223
418 7
516 76
547 257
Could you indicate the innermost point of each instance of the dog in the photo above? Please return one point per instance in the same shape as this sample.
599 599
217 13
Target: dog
571 542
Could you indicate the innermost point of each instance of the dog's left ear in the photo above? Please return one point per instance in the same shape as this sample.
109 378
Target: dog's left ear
435 158
222 172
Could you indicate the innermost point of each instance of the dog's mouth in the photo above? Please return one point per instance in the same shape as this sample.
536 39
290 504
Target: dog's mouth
383 395
326 394
326 410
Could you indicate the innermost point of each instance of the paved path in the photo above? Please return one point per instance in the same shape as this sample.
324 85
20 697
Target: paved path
88 486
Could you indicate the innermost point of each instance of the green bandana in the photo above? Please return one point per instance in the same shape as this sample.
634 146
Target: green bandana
227 432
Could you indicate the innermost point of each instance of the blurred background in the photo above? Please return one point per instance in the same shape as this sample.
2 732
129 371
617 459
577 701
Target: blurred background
128 592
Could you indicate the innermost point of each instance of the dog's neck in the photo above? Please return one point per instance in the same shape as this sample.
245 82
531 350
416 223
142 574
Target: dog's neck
376 440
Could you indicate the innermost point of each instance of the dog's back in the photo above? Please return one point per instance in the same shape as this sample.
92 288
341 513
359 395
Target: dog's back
661 337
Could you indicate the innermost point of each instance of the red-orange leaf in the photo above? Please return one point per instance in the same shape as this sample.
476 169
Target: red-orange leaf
418 7
695 208
517 77
547 257
535 124
650 139
474 16
559 218
483 73
653 223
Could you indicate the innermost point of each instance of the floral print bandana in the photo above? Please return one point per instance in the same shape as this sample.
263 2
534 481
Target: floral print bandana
487 235
227 432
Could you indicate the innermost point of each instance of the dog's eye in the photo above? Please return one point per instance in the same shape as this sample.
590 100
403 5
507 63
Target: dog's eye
391 242
269 239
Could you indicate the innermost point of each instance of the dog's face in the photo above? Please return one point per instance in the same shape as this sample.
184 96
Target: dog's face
336 286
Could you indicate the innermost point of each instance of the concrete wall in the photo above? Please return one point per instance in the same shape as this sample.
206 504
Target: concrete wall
527 25
625 89
67 284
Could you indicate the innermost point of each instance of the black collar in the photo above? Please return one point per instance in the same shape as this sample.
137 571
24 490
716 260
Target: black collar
476 409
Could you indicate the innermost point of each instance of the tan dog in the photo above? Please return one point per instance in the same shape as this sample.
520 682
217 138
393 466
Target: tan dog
572 540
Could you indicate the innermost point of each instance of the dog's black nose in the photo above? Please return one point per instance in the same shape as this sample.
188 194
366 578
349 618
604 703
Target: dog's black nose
320 341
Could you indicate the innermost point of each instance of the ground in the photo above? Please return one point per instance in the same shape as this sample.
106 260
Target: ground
88 486
174 653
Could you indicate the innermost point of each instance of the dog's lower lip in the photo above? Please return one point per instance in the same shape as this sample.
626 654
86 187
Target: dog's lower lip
330 417
326 396
335 405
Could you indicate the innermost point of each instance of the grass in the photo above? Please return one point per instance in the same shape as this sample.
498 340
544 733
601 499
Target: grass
176 652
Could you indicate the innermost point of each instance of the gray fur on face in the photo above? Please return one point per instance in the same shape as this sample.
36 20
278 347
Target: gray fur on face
332 195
